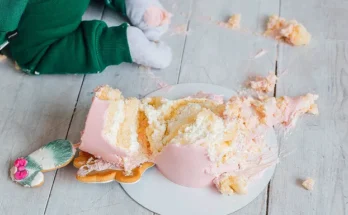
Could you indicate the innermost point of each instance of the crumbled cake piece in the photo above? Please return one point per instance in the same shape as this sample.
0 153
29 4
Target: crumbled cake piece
263 84
234 21
229 184
2 57
290 32
308 183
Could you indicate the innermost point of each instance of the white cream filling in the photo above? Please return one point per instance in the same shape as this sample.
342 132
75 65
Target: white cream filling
112 125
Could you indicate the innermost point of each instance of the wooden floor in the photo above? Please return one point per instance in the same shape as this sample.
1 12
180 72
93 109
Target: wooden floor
37 109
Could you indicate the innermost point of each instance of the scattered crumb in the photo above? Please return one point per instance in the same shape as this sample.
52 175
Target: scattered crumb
290 32
308 184
16 66
260 53
2 57
228 184
232 23
263 84
180 30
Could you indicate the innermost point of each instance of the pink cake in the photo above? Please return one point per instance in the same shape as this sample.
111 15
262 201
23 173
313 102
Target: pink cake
196 141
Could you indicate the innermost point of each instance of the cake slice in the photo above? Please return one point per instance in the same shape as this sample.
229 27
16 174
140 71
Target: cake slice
111 129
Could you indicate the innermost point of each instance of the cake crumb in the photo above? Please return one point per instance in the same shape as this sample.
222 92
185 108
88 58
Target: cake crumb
263 84
2 57
228 184
260 53
290 32
232 23
308 184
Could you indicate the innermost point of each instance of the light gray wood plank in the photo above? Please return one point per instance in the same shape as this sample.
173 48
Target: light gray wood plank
72 197
320 141
33 111
325 19
226 57
223 56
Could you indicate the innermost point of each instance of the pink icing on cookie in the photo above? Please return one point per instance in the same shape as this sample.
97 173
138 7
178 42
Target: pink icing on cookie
155 16
20 171
20 175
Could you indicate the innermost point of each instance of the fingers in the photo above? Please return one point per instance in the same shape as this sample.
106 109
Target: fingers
147 53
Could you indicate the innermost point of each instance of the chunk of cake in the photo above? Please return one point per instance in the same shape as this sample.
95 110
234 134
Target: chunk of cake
111 129
194 141
308 184
229 184
263 84
290 32
234 21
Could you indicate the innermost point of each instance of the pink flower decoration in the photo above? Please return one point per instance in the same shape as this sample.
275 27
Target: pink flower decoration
20 172
20 162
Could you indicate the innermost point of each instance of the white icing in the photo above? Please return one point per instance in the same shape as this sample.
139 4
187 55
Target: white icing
39 178
44 157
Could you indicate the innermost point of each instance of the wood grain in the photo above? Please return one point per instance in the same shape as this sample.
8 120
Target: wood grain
321 141
34 110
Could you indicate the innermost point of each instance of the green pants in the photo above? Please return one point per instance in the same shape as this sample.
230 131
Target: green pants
52 39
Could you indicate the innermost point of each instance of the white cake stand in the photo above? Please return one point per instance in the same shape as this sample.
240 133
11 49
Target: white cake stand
162 196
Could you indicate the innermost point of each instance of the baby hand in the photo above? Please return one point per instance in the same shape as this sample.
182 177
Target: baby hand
149 16
144 52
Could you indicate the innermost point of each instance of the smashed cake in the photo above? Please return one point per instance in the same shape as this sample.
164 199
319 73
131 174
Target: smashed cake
291 32
195 141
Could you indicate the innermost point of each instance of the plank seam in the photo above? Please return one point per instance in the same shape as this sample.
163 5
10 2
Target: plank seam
184 47
67 132
71 119
66 136
274 94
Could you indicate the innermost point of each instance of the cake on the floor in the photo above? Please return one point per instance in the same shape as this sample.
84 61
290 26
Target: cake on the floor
196 141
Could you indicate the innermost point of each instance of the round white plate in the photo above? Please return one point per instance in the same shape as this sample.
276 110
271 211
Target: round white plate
162 196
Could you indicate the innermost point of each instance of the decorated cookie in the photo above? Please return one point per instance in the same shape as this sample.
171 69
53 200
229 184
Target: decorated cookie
94 170
28 171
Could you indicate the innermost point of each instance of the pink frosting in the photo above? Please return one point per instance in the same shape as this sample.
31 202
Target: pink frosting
92 140
188 165
155 16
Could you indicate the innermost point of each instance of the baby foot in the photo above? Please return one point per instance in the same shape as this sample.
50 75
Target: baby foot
149 16
156 55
